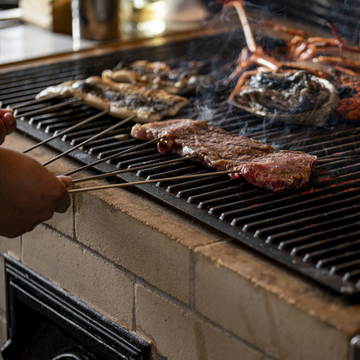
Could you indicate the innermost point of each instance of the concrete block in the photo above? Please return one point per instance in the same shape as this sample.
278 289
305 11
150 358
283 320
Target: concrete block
177 334
248 301
63 223
11 246
81 273
140 237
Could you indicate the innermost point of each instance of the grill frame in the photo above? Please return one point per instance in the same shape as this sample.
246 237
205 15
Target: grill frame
250 239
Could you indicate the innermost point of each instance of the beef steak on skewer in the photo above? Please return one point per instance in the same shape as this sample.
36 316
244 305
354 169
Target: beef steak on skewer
257 162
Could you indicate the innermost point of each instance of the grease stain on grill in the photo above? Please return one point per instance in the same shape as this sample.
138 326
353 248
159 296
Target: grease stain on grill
312 230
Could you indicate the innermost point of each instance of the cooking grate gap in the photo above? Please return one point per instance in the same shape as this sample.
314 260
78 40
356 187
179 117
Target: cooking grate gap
195 186
218 190
331 243
280 216
167 183
111 146
347 270
179 171
154 157
339 254
68 119
242 191
78 137
259 207
318 231
211 189
53 122
310 227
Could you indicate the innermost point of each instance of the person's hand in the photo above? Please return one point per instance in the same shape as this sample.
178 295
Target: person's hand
29 193
7 123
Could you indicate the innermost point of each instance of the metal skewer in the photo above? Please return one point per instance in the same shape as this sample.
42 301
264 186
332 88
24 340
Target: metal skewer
121 123
102 176
151 181
136 147
67 130
35 101
48 108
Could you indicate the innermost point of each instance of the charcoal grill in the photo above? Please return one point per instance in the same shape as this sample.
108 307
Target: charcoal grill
313 230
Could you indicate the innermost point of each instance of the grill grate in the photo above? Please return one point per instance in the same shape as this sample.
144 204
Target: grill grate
313 230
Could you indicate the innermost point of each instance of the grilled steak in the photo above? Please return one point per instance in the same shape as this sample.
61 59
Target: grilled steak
122 100
257 162
157 75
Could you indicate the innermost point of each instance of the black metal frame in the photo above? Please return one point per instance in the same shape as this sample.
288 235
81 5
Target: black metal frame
32 300
354 351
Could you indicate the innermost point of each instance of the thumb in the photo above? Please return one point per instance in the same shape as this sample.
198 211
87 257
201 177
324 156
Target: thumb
66 180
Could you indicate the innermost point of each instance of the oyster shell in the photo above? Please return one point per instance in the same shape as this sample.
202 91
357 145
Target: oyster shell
290 97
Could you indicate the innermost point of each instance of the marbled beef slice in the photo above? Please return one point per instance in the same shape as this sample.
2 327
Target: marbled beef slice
257 162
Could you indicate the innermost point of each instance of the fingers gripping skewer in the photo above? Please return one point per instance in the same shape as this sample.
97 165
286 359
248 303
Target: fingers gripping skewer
121 123
132 148
81 123
152 181
102 176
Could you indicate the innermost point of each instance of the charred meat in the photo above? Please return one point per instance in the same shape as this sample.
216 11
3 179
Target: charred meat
122 100
158 75
257 162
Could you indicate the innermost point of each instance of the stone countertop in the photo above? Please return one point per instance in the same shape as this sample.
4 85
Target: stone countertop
26 42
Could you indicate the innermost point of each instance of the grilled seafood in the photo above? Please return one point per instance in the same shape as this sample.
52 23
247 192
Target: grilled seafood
272 94
122 100
323 57
349 90
158 75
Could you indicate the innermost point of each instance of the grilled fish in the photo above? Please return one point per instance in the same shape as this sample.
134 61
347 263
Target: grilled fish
158 75
122 100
